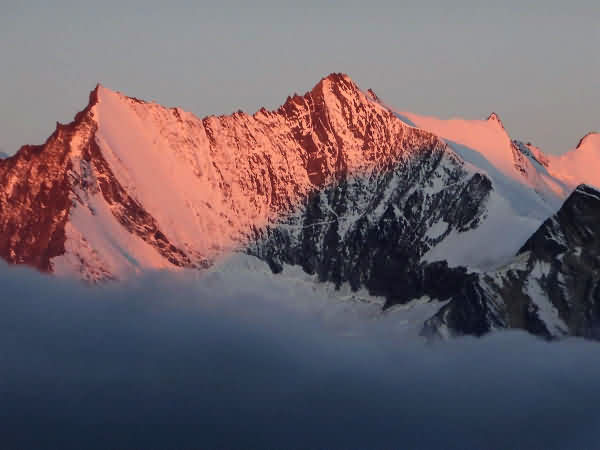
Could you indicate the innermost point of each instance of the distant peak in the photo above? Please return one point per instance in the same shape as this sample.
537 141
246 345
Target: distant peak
340 80
337 77
94 95
587 137
94 99
495 118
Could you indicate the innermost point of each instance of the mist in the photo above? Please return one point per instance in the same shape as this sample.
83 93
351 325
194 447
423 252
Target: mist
194 360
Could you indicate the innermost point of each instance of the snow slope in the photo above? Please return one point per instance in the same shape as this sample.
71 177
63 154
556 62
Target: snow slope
487 145
511 164
581 164
336 306
524 195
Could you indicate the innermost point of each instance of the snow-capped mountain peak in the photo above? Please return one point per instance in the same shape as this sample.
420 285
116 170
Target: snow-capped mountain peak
592 139
495 118
581 164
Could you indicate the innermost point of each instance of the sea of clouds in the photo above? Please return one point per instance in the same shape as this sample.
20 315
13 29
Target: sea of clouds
210 361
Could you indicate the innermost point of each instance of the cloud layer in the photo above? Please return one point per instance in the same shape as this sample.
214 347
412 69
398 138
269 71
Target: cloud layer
188 361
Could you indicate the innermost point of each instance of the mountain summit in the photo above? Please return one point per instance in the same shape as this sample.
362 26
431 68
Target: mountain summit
494 118
590 138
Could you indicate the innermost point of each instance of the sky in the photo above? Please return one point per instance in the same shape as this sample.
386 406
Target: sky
536 64
215 361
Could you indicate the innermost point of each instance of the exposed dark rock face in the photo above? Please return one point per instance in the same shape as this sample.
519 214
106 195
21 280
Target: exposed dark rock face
352 233
553 287
575 225
372 232
531 153
568 247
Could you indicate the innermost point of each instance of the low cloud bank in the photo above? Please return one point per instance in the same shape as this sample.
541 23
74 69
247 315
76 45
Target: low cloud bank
188 361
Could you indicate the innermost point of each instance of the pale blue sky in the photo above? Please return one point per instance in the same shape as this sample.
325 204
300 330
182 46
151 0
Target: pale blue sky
537 66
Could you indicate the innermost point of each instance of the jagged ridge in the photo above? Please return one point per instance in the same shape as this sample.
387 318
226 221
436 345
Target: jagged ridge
552 288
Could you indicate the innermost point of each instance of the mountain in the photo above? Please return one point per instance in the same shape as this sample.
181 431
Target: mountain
334 182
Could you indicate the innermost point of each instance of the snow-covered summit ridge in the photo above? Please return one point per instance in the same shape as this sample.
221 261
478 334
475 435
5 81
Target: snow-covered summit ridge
581 164
591 138
490 140
495 118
